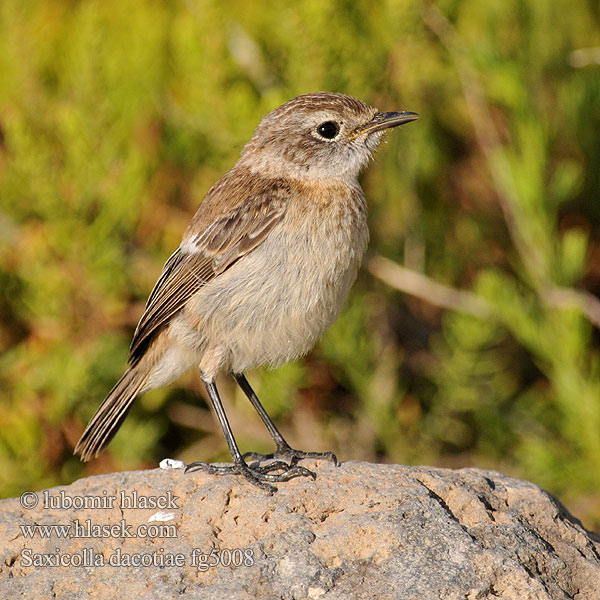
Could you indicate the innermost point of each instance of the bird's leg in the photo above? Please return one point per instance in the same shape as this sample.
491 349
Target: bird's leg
284 451
260 476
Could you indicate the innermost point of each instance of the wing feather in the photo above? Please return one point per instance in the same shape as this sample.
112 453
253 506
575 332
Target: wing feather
203 257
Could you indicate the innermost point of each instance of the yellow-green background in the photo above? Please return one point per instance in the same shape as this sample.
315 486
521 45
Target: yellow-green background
116 116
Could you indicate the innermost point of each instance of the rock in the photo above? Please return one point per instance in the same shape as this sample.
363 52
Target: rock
359 531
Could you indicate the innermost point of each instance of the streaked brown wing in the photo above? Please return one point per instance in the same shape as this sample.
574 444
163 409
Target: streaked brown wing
204 256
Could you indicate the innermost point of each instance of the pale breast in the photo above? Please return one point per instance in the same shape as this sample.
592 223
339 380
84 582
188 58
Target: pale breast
276 302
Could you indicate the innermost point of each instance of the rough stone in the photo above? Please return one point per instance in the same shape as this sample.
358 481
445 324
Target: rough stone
359 531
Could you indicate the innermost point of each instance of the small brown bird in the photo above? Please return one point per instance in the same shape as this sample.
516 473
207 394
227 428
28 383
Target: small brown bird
264 268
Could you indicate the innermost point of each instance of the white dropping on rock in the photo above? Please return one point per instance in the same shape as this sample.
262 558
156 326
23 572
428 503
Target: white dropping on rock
162 516
171 463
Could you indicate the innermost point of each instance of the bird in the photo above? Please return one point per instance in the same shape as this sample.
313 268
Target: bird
263 269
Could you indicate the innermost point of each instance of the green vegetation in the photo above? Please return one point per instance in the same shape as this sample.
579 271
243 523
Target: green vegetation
117 116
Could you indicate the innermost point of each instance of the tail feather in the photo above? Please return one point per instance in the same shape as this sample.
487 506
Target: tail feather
112 412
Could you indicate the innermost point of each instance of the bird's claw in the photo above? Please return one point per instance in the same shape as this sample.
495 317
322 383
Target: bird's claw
290 456
260 476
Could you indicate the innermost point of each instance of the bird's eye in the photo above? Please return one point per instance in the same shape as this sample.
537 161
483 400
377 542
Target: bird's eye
328 130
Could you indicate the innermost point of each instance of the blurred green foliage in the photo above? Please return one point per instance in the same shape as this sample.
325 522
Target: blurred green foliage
117 116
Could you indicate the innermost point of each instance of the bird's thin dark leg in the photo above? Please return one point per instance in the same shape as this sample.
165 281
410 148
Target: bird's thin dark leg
284 451
261 476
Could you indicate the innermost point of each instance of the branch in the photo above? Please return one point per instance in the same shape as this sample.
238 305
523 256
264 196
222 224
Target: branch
421 286
586 303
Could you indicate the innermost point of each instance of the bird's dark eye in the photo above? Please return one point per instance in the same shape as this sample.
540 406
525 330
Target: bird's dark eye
328 130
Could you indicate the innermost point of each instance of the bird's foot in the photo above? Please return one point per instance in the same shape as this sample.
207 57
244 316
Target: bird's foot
290 456
262 476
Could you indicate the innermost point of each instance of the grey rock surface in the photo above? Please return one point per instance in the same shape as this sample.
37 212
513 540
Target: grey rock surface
359 531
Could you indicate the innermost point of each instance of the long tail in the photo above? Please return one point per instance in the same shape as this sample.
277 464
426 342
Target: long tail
112 412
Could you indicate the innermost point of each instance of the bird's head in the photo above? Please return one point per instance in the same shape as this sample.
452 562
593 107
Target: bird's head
320 135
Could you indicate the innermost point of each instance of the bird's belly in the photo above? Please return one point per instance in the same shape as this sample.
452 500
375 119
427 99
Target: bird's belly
276 302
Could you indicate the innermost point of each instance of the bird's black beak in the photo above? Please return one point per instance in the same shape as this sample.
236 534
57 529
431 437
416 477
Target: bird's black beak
385 120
